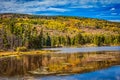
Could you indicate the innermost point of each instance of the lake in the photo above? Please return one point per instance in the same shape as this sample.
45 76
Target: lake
85 49
112 73
97 63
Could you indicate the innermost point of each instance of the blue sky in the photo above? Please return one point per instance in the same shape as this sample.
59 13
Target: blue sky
102 9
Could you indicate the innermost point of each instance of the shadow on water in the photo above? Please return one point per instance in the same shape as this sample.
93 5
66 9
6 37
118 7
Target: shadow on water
57 64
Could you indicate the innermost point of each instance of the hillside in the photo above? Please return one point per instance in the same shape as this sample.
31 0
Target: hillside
32 31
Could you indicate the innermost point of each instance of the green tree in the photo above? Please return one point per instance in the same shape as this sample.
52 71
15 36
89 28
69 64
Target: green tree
68 40
48 40
40 40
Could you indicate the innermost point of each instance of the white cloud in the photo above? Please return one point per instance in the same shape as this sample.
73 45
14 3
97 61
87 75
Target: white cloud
83 6
32 6
58 9
114 20
112 9
94 2
50 5
50 14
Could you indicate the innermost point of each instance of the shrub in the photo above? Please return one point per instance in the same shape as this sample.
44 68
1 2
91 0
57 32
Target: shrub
21 49
1 50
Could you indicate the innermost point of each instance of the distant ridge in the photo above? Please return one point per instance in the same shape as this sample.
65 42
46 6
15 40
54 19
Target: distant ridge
77 17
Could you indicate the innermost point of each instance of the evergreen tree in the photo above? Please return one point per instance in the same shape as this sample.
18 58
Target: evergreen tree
68 40
48 40
40 40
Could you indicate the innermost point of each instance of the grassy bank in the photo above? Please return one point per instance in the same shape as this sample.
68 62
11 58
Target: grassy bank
18 53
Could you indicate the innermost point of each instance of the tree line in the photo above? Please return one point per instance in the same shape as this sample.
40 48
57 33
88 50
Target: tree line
37 40
35 32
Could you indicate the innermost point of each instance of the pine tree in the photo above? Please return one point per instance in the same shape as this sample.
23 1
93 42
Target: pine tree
48 40
40 40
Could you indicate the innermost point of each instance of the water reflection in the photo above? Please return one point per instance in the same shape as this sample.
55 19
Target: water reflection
59 64
112 73
85 49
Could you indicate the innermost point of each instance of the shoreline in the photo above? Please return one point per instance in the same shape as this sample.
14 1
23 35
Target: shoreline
48 50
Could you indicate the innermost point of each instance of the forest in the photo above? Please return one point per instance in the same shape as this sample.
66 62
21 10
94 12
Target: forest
36 32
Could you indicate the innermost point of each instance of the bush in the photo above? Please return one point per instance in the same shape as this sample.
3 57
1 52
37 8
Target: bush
1 50
21 49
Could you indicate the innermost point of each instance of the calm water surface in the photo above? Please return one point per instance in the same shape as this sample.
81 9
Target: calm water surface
86 49
31 62
112 73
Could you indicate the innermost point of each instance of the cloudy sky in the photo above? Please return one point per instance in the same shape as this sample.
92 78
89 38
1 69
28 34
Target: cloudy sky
102 9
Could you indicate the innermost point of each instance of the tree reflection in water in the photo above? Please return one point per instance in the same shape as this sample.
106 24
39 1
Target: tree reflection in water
47 64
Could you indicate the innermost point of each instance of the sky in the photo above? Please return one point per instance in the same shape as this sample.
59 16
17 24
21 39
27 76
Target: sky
101 9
